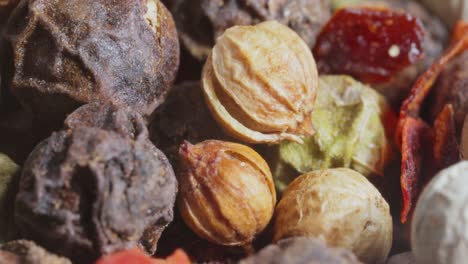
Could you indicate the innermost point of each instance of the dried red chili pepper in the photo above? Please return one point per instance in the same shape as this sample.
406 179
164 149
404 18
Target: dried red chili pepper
369 43
415 135
136 256
411 129
445 139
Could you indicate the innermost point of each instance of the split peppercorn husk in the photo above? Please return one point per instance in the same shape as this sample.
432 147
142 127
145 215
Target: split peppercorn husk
353 129
391 50
183 116
8 188
201 22
68 53
104 190
27 252
301 250
427 149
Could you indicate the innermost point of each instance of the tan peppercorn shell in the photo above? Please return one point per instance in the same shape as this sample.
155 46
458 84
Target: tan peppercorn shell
227 194
260 83
339 206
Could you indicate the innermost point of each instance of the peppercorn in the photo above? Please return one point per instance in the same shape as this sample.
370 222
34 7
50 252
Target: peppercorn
227 195
439 231
68 53
339 206
260 83
101 182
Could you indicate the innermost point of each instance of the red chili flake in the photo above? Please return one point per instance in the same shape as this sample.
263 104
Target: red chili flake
445 138
412 133
416 136
136 256
412 105
132 256
370 43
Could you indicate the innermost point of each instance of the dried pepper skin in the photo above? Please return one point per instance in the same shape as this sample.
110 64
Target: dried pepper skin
102 193
416 140
369 43
301 250
67 53
445 149
414 174
27 252
200 22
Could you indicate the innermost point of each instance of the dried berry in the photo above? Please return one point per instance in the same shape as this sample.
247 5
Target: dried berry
201 22
438 232
26 252
339 206
86 192
8 171
371 44
227 193
452 88
351 133
260 83
301 250
67 53
183 116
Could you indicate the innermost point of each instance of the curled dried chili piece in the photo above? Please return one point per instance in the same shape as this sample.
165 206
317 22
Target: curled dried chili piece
416 135
369 43
411 129
445 139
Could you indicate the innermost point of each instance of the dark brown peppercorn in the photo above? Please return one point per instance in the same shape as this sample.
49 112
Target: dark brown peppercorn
86 192
301 250
184 116
200 22
26 252
70 52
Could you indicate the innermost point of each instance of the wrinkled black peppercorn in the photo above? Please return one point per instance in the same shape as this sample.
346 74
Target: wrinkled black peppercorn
71 52
98 187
